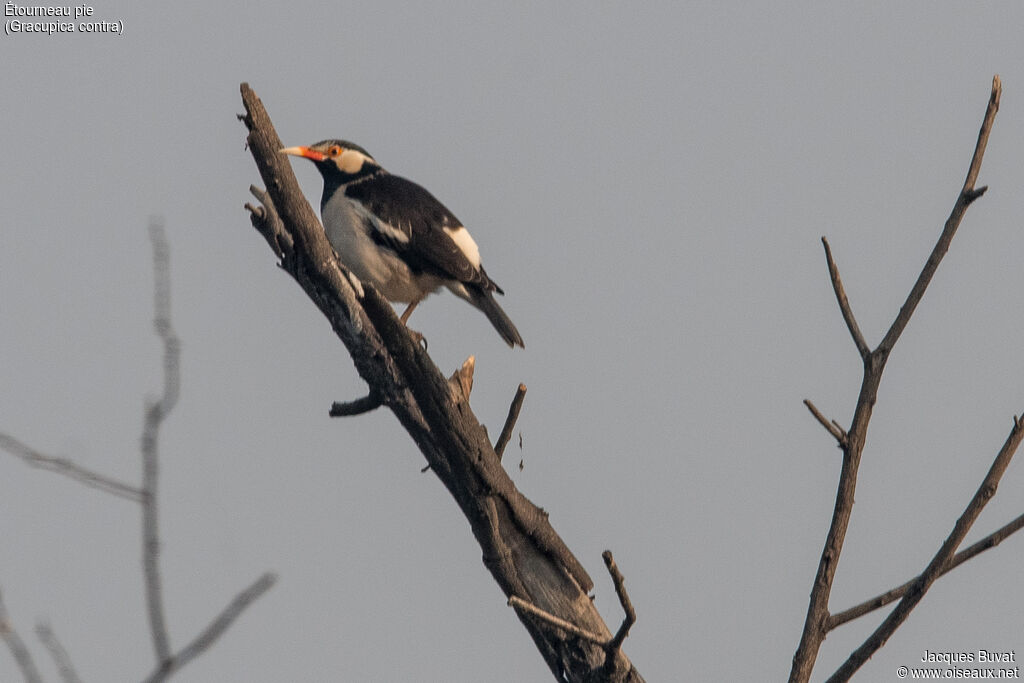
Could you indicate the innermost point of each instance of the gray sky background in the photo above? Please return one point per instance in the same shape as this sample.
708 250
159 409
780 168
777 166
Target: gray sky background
648 183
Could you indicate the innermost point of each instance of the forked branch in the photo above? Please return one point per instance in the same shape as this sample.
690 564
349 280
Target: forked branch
17 647
830 425
940 563
156 412
817 622
990 541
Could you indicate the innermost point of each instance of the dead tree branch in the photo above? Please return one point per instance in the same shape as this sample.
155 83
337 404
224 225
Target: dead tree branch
510 421
34 458
214 631
522 606
844 303
627 607
17 647
939 563
990 541
830 425
58 653
817 621
357 407
156 412
525 556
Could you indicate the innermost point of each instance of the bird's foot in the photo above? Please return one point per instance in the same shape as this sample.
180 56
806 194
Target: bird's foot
420 339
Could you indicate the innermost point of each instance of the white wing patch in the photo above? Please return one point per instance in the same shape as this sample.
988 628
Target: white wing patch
389 231
465 243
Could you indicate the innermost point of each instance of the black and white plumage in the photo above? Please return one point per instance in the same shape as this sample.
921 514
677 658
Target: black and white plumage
393 234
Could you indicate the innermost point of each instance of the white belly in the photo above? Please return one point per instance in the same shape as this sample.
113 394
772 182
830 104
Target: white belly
368 261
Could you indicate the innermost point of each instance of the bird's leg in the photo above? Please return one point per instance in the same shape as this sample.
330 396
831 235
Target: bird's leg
405 321
409 309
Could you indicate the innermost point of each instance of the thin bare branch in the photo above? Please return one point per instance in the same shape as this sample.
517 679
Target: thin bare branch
939 563
214 631
967 195
58 653
572 629
844 303
990 541
371 401
627 605
156 412
34 458
17 647
266 221
831 426
816 622
510 421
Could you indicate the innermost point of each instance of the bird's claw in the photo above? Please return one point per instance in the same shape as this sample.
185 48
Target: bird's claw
420 339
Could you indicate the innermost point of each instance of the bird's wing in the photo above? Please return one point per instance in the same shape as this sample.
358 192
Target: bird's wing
413 224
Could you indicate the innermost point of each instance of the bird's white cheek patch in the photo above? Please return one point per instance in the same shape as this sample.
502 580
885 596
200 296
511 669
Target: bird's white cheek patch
351 161
465 242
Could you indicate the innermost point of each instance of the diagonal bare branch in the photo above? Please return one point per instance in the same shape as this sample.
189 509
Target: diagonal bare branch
522 606
58 653
990 541
510 421
844 303
214 631
967 195
17 647
941 560
830 425
34 458
615 644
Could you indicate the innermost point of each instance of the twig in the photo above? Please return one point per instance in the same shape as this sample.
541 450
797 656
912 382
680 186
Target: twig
64 466
572 629
990 541
832 426
941 560
612 646
216 628
510 421
844 303
371 401
967 195
59 654
17 647
156 412
615 644
266 221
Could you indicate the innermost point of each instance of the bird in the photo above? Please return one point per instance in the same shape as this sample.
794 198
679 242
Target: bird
393 234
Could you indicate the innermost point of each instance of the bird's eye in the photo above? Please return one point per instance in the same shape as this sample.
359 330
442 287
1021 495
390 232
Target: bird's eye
334 150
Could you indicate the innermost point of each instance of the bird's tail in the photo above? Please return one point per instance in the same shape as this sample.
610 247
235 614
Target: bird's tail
484 300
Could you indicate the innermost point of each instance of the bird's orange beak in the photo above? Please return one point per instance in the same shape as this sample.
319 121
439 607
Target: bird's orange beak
304 152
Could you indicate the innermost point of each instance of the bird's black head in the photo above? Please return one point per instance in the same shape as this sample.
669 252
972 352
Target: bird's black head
338 161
